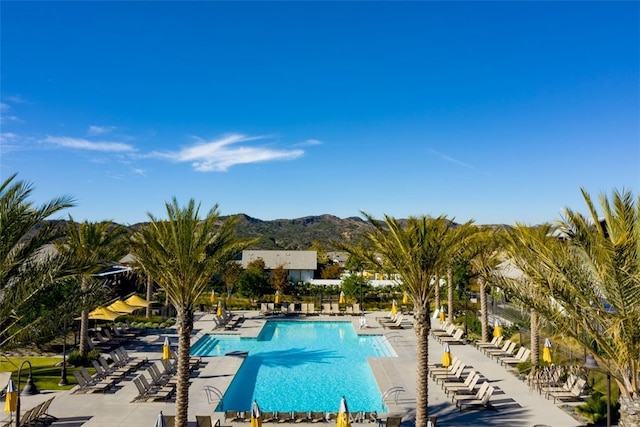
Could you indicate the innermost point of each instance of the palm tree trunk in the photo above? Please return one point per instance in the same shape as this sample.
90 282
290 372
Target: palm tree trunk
535 339
484 315
450 294
149 295
422 326
83 346
185 327
629 411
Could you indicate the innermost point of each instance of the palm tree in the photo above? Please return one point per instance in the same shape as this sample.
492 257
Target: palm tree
27 268
483 255
583 276
416 252
183 253
92 246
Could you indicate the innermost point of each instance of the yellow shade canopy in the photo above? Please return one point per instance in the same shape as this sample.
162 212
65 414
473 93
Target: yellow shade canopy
446 356
122 307
342 420
136 301
11 398
256 415
103 313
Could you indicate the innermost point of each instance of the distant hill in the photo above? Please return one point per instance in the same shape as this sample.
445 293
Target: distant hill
294 234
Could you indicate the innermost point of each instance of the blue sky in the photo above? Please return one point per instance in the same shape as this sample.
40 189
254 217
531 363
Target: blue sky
492 111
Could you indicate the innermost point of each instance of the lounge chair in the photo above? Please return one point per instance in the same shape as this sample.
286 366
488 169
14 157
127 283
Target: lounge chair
479 394
233 416
393 422
501 348
148 393
317 417
448 330
494 343
397 324
574 394
455 382
311 309
285 417
84 386
335 308
204 421
356 309
524 356
269 417
510 347
170 420
326 308
455 339
301 417
446 375
468 387
566 386
481 402
450 369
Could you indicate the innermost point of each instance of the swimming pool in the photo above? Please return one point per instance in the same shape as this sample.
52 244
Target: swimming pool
301 366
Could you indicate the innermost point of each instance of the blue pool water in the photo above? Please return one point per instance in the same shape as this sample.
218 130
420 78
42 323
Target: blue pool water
301 366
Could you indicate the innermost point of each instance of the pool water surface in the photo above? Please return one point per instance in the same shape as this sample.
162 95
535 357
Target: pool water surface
301 366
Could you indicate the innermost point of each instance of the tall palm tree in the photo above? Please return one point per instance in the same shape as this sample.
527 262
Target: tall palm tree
91 247
416 252
484 255
26 267
583 276
183 253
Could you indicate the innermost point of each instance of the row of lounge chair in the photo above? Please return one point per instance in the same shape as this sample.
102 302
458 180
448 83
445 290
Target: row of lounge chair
228 320
160 385
470 391
391 321
107 375
310 309
38 415
504 352
300 417
450 334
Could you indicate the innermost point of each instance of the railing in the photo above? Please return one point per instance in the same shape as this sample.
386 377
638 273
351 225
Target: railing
393 391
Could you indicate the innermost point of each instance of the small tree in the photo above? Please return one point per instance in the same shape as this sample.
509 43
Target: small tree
279 278
355 286
331 271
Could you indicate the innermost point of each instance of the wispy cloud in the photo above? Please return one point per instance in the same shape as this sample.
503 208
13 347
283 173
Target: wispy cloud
309 143
83 144
219 155
4 117
18 99
450 159
100 130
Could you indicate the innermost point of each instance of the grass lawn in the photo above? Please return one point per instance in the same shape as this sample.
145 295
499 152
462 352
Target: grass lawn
46 374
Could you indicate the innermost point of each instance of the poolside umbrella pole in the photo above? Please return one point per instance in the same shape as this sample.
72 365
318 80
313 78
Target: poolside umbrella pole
256 415
342 420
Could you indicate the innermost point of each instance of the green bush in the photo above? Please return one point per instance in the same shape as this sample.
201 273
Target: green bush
76 359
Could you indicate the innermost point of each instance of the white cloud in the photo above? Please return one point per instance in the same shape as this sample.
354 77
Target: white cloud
450 159
99 130
309 142
4 107
139 171
219 155
83 144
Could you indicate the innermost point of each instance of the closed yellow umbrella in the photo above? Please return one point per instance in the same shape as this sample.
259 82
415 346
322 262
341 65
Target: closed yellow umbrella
212 298
405 298
446 356
11 397
277 298
219 312
166 349
442 314
546 351
497 330
256 415
394 307
342 419
122 307
342 299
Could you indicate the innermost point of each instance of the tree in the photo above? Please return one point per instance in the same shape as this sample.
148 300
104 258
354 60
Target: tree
279 278
416 252
253 282
354 286
27 268
183 253
92 246
331 271
231 275
583 276
484 258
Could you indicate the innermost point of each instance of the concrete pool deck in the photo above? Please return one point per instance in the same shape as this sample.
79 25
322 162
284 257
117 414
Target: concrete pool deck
514 403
